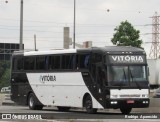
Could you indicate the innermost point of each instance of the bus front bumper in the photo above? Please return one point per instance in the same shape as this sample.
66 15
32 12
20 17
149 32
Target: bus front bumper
133 103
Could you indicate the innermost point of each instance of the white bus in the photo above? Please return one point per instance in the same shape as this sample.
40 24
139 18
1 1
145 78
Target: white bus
94 78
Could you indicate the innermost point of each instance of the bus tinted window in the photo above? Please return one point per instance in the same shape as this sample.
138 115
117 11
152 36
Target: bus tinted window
68 61
17 63
72 62
54 62
41 63
57 62
64 63
84 61
29 63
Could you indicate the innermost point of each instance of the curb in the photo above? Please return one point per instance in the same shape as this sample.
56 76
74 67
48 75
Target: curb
154 102
7 101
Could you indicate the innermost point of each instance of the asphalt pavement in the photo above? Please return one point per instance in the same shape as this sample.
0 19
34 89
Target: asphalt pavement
52 114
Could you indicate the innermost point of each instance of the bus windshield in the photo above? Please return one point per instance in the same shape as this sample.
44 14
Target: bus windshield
126 75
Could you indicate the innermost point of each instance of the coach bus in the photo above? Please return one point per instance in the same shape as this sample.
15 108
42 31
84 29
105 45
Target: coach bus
93 78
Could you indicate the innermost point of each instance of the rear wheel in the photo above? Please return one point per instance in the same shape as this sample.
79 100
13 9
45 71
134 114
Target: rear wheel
126 110
60 108
32 102
89 106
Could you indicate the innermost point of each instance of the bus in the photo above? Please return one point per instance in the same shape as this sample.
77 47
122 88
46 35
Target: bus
93 78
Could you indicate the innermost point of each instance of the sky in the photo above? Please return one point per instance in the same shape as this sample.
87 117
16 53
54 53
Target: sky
95 21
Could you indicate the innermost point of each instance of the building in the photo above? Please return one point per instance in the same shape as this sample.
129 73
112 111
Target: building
87 44
66 38
6 50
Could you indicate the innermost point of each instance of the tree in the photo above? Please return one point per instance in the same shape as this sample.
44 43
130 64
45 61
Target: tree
4 73
126 35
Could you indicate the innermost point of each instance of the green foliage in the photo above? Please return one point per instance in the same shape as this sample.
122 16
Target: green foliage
4 73
126 35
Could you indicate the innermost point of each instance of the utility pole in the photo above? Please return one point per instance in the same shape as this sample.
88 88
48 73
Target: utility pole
21 26
155 47
74 24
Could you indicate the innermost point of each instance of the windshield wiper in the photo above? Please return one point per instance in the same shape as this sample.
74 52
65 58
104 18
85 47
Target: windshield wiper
135 80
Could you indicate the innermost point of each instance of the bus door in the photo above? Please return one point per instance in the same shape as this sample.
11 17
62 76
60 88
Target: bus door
100 75
100 80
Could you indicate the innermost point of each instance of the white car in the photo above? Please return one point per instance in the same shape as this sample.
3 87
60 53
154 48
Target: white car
6 89
157 93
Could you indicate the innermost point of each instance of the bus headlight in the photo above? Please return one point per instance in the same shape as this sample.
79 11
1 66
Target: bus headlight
113 102
145 102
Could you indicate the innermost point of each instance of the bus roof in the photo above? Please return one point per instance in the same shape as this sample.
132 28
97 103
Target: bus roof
114 50
120 49
107 49
50 52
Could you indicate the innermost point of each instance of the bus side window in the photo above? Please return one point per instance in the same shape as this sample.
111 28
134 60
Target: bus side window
72 64
40 63
29 63
68 61
17 64
46 62
65 61
77 62
14 64
56 64
20 64
84 60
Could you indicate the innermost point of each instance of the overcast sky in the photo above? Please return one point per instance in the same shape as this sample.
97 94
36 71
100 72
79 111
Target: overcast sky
46 19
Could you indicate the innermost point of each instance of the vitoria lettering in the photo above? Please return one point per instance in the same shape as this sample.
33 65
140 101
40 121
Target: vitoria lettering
128 58
48 78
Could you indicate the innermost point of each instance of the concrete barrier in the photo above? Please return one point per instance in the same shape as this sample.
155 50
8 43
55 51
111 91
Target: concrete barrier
6 100
2 98
154 102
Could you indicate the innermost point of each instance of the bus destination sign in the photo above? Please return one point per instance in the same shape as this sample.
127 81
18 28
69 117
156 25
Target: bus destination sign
127 58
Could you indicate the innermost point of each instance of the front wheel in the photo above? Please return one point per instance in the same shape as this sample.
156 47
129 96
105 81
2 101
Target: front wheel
32 103
89 106
126 110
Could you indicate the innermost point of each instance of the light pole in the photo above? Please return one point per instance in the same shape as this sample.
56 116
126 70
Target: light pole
74 24
21 26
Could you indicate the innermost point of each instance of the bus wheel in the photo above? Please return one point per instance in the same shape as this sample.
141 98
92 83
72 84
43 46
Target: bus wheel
32 103
88 105
60 108
126 110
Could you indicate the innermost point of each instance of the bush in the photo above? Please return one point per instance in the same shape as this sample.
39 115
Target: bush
4 74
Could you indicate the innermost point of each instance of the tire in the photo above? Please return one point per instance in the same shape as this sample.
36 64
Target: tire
60 108
126 110
89 105
32 102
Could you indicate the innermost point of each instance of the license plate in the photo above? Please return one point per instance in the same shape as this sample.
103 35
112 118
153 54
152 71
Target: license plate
130 101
